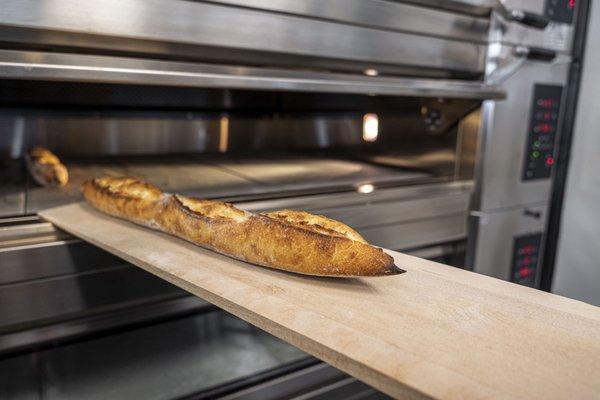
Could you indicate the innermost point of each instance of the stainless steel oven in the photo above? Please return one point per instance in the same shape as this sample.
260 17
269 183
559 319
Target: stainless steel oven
369 112
519 142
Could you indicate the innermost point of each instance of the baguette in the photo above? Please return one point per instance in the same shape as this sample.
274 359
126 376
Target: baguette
293 241
45 168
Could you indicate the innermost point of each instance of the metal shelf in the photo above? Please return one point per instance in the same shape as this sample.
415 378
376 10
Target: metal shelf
107 69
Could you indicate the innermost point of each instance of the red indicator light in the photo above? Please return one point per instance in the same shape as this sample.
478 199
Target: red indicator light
550 161
523 272
545 103
572 3
530 249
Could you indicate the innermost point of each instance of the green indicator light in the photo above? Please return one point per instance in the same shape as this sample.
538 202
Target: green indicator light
535 154
536 143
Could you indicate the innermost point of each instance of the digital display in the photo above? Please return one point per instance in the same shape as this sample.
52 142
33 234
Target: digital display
542 130
560 10
526 251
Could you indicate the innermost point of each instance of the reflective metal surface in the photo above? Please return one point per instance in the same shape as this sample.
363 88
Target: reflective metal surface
203 351
496 232
501 193
25 232
399 219
208 31
473 7
62 298
556 36
16 342
320 381
500 181
104 69
381 15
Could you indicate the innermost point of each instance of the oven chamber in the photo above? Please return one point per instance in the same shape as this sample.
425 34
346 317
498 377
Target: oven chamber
210 103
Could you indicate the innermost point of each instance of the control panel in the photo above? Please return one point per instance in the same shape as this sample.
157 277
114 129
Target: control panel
543 125
560 10
526 250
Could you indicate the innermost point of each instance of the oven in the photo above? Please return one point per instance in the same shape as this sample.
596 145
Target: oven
520 142
368 112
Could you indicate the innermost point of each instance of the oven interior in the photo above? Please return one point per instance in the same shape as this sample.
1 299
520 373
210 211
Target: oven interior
65 302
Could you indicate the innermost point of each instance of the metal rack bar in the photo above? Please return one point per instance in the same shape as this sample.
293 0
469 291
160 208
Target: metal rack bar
106 69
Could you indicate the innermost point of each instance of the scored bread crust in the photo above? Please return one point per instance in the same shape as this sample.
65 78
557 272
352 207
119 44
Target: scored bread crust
46 168
293 241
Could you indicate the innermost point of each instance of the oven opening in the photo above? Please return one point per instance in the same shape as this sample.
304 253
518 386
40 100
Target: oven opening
397 169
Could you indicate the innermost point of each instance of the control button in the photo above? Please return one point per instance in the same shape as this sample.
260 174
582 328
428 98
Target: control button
544 114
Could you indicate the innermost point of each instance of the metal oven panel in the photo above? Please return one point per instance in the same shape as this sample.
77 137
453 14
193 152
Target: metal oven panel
541 133
412 234
398 219
506 141
508 244
207 31
558 35
393 15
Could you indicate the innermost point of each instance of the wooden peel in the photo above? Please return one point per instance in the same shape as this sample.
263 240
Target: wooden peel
433 332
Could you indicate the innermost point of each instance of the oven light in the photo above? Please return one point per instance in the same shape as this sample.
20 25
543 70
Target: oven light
223 134
371 72
366 188
370 127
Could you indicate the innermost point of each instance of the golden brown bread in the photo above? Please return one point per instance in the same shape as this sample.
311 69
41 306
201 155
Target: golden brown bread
294 241
45 168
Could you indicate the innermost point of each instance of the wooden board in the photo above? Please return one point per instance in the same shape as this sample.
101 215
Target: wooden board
432 332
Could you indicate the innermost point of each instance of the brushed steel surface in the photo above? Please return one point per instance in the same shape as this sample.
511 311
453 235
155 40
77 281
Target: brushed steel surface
294 173
204 352
51 335
441 229
556 36
397 218
404 130
367 215
504 140
55 300
409 193
472 7
55 259
28 234
495 234
220 32
380 15
104 69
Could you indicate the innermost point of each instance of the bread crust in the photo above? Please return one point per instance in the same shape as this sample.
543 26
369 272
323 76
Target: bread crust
45 167
293 241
